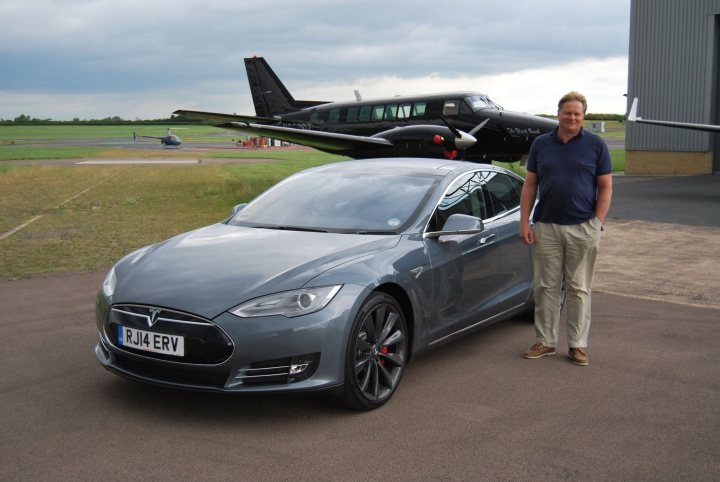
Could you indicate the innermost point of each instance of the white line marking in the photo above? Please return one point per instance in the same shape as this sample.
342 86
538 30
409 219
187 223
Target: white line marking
104 162
15 230
32 220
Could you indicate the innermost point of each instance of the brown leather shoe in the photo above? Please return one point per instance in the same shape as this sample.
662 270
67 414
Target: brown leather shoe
538 350
578 356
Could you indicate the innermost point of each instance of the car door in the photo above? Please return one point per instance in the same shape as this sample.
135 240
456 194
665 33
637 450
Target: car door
464 268
515 274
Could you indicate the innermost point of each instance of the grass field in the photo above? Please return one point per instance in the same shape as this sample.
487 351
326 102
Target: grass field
85 218
44 134
612 128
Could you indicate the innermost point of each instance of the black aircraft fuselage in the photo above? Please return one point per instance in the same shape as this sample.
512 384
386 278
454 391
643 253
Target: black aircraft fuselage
462 125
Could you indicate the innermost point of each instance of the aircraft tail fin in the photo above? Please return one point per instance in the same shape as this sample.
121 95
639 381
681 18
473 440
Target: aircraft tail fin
632 115
270 96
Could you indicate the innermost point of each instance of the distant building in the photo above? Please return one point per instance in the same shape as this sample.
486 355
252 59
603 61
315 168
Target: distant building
674 70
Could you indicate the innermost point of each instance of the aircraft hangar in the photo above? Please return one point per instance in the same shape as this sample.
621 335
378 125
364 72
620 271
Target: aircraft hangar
674 71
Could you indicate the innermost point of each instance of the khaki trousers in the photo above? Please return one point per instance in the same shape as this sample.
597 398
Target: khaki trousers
570 250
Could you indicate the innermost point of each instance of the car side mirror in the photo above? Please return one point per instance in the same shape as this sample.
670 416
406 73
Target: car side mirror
458 224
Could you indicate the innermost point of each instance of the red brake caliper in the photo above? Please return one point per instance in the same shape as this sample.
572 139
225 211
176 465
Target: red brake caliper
383 350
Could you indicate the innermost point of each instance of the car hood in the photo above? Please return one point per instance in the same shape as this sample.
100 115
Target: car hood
213 269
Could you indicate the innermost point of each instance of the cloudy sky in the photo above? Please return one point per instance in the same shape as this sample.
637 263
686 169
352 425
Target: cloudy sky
143 59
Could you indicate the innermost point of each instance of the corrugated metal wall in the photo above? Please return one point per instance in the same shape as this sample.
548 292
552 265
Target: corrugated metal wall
673 52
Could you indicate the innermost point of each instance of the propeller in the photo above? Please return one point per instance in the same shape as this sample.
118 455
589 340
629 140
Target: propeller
453 129
462 141
478 127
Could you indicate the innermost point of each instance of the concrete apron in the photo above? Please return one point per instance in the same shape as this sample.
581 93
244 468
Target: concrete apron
658 261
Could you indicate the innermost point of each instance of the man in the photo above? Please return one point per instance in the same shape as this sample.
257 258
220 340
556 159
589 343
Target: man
571 169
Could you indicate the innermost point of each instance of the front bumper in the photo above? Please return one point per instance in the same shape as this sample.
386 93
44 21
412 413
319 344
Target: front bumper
268 354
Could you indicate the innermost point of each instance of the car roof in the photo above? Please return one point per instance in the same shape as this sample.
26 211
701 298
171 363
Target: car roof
406 165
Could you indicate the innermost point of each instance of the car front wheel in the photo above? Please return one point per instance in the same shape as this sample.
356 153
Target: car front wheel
376 353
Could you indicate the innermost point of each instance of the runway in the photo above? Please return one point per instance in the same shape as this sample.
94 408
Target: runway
108 162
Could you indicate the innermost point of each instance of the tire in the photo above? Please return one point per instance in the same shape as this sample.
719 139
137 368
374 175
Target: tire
376 353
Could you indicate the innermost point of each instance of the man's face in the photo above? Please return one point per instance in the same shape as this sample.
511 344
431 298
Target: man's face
571 117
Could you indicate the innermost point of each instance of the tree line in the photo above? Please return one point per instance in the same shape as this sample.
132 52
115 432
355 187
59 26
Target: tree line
180 119
25 119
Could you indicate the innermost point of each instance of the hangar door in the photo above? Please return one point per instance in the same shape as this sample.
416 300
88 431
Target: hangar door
715 118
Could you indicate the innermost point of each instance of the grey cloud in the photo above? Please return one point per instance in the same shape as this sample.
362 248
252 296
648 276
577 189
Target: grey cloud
118 46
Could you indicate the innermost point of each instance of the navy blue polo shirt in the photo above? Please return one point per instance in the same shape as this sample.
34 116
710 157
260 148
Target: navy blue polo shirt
567 176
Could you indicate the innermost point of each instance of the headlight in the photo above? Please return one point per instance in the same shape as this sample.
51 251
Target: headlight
288 303
108 286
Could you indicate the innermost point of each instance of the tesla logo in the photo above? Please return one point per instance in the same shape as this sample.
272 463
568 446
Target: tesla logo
152 319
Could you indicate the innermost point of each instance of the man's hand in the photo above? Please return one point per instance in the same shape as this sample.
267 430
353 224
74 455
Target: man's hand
526 234
527 200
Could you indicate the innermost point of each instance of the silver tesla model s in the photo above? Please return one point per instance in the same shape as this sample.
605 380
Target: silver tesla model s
333 280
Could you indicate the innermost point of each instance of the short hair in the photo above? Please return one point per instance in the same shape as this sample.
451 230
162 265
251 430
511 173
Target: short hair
573 96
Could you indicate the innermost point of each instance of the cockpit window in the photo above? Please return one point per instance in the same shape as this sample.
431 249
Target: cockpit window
479 102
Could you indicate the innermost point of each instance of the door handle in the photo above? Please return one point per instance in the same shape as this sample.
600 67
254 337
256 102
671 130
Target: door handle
486 239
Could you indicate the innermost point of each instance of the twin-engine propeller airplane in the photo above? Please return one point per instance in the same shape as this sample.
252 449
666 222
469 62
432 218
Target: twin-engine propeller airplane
168 139
463 125
632 117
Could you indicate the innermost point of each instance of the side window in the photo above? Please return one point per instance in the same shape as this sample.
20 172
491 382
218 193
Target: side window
465 196
334 115
451 107
365 113
391 112
404 111
377 112
353 114
314 118
504 192
418 109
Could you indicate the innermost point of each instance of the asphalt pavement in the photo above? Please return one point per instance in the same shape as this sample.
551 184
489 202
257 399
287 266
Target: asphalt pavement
687 200
646 408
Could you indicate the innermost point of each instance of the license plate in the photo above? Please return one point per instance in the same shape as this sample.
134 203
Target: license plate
149 341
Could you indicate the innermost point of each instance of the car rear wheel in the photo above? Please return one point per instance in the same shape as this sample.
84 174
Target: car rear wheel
376 353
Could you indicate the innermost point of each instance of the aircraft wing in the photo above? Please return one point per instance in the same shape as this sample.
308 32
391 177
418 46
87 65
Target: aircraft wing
328 141
215 116
266 126
632 117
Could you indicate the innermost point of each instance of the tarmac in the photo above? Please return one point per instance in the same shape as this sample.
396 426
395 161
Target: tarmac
662 240
646 408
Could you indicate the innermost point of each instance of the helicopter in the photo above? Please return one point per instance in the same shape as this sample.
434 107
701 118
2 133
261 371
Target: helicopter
168 139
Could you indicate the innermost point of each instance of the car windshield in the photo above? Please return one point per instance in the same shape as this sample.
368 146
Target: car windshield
346 202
